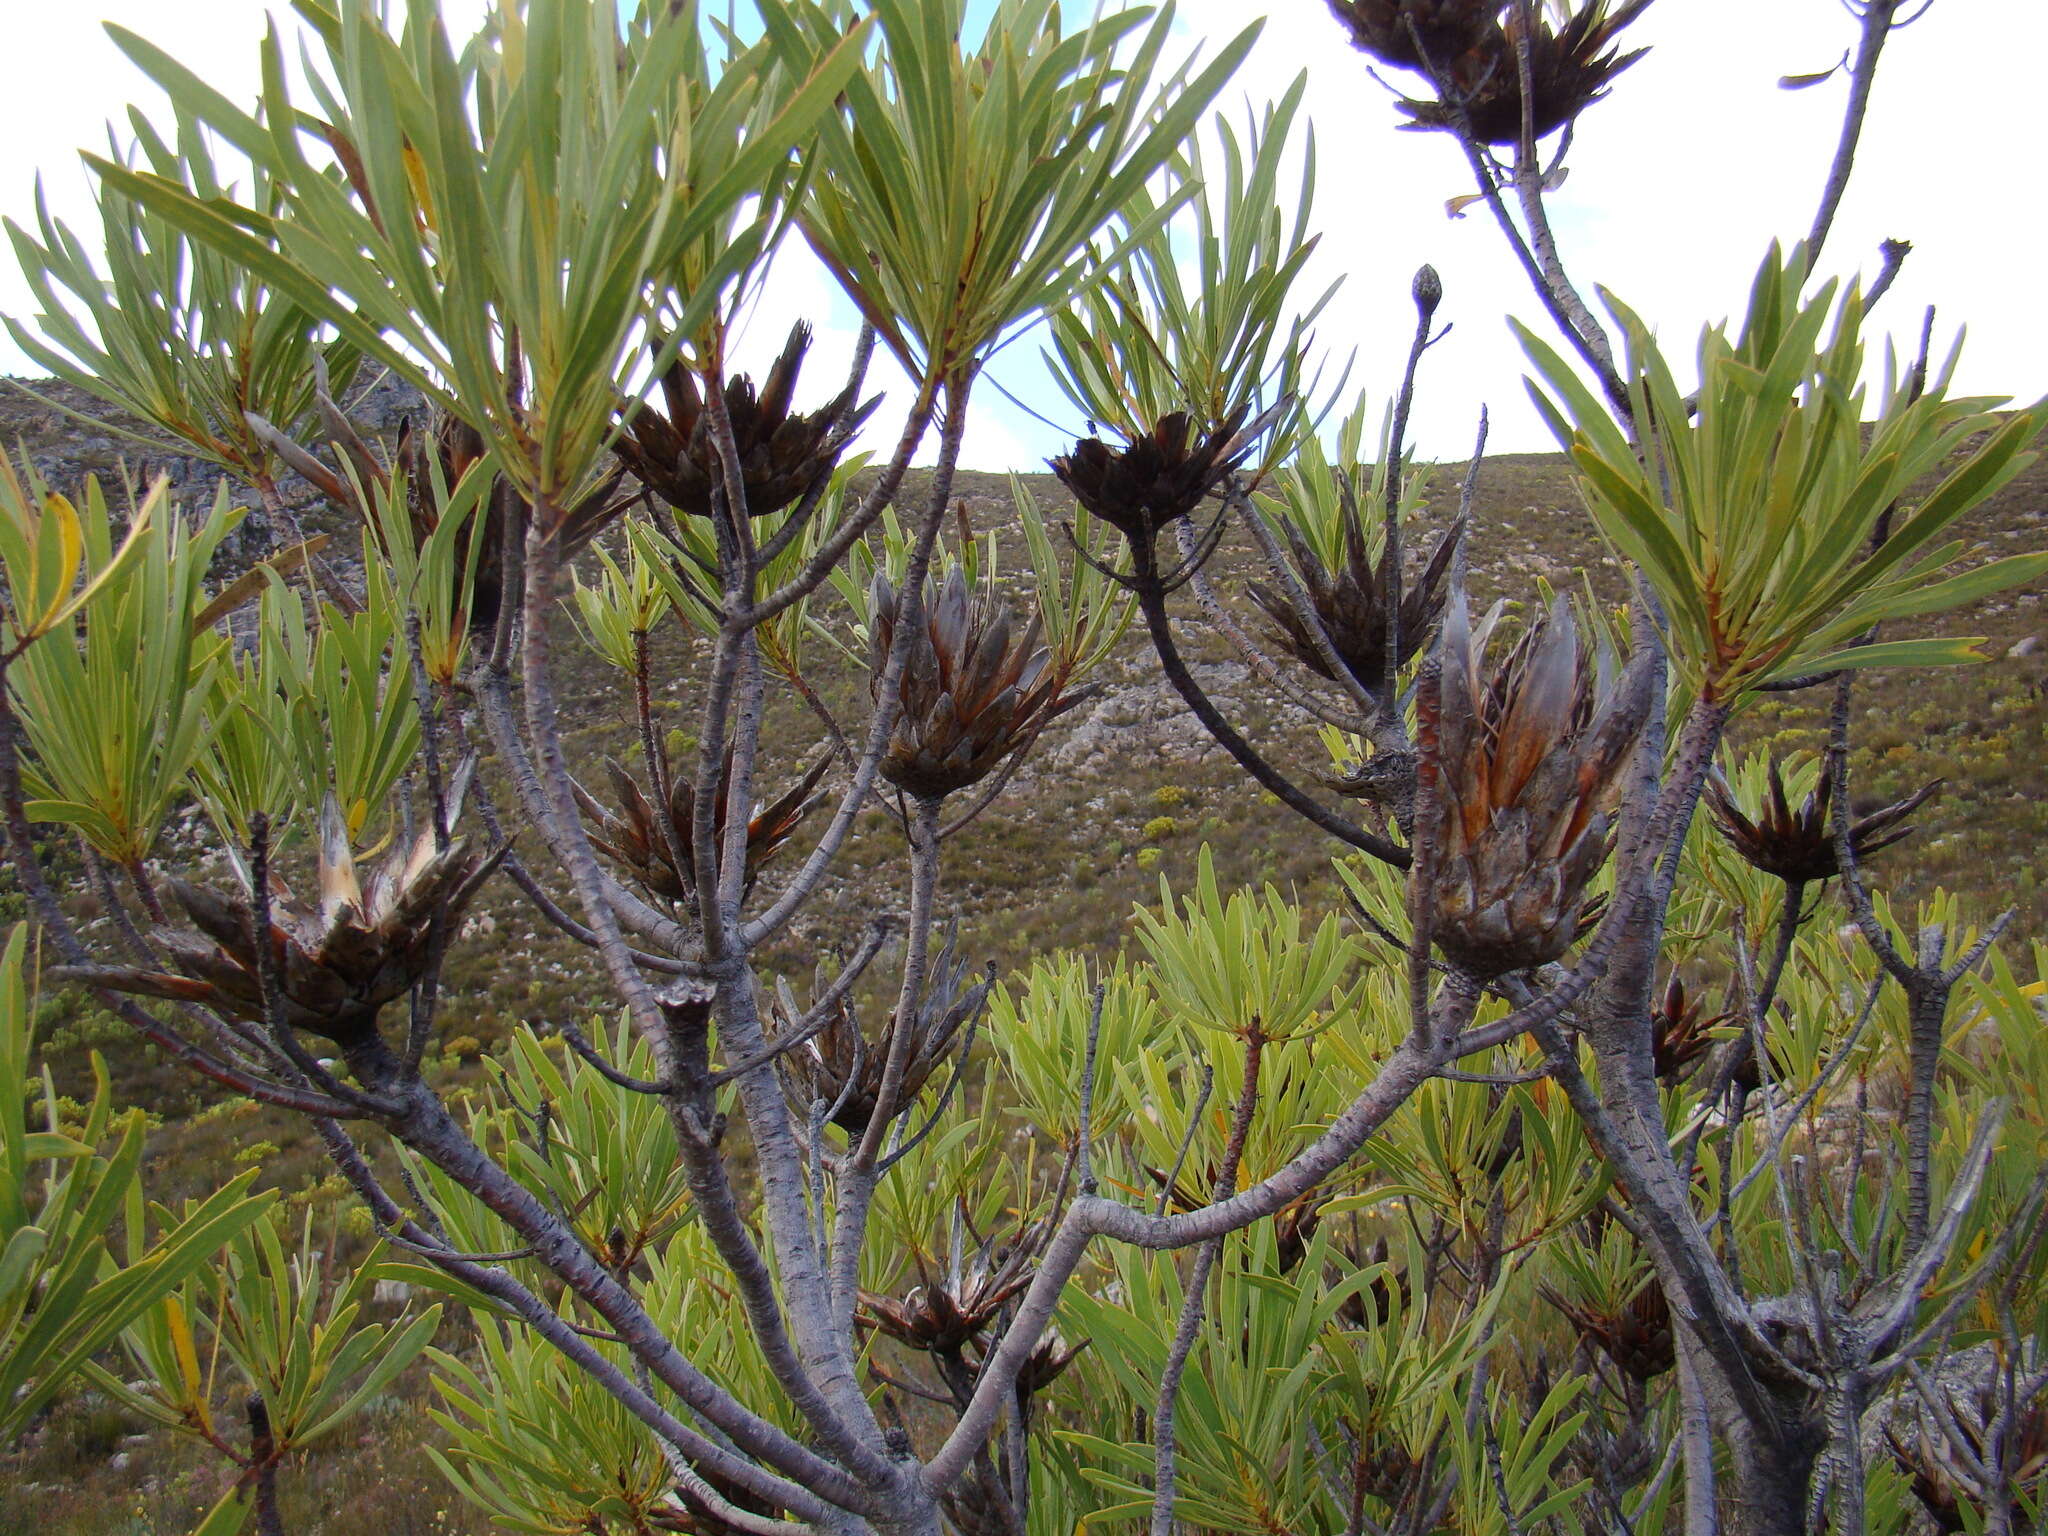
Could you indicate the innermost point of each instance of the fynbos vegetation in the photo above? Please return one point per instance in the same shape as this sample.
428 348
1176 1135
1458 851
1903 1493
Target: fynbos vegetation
1596 1165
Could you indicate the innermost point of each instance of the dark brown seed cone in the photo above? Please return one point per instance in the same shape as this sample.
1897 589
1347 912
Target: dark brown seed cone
1385 1470
780 454
840 1066
341 959
1467 48
972 691
1351 604
945 1314
631 835
1569 70
457 446
1681 1032
1637 1337
1447 31
1798 846
1164 474
1527 767
1047 1363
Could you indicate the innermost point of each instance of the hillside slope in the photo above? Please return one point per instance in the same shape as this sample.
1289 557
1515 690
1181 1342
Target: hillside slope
1119 793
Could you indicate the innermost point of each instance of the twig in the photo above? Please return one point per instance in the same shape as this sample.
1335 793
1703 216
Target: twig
1876 28
605 1069
1085 1160
1187 1141
1467 496
1428 292
1198 1283
1152 604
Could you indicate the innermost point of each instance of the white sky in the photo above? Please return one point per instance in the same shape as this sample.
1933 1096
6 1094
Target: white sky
1678 182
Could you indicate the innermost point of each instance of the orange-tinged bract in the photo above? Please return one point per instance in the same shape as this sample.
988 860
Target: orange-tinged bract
973 690
1527 765
781 454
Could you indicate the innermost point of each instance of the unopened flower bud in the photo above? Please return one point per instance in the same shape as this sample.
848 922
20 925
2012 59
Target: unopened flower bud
1428 291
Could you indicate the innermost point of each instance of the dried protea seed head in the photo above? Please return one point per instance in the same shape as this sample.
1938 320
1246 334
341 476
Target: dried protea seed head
953 1307
1420 35
1681 1031
1636 1335
1047 1363
1936 1453
1159 476
1351 604
841 1069
433 461
948 1312
340 959
633 834
973 690
1470 52
1525 762
781 454
1798 845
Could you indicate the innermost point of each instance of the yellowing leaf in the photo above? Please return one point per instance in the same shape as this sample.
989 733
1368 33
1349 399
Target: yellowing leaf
70 538
422 194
